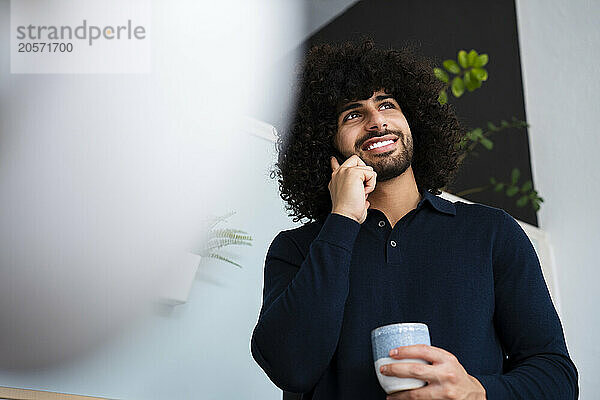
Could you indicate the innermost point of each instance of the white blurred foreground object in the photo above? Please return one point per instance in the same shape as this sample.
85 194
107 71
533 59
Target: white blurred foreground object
105 179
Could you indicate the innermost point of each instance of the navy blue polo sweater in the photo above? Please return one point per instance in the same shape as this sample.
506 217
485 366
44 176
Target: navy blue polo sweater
466 270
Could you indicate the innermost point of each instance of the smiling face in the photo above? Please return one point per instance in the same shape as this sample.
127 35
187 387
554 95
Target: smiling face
377 131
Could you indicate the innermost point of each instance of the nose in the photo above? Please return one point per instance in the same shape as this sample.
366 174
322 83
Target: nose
376 122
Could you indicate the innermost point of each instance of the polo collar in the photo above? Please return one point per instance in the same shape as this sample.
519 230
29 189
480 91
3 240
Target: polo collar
440 204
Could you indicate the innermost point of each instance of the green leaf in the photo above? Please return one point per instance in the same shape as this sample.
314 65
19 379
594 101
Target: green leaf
470 82
522 201
526 186
216 220
462 59
458 86
231 234
487 143
471 57
491 126
499 187
480 74
512 190
515 175
493 180
443 97
441 74
517 123
536 206
451 66
481 60
504 124
461 145
220 257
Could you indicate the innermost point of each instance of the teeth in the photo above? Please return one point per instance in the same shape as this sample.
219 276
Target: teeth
379 144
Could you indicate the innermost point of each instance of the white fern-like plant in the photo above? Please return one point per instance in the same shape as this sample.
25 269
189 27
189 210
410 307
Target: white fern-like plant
221 237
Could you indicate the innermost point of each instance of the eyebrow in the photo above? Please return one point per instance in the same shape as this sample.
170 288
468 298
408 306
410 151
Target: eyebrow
357 105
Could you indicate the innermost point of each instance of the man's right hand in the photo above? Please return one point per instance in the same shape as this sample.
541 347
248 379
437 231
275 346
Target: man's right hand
350 186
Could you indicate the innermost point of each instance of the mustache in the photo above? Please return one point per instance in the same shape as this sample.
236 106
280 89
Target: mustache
399 134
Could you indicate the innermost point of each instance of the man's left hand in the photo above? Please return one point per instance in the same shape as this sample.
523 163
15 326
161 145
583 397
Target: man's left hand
446 378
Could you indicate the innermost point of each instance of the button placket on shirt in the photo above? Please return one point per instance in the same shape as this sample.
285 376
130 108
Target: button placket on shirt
394 254
393 250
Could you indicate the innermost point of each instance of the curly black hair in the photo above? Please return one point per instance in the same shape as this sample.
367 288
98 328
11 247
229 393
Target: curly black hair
335 74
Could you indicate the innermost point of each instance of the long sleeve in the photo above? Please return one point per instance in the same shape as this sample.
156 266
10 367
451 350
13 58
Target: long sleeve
529 329
303 304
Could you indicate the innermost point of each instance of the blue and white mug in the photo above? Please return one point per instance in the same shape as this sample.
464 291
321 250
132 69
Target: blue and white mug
388 337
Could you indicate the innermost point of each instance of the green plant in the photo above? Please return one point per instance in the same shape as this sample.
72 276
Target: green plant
219 238
467 73
480 136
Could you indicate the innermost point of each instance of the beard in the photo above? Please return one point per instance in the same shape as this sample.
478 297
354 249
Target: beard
392 163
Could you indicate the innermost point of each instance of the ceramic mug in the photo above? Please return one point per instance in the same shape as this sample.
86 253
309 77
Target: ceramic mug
388 337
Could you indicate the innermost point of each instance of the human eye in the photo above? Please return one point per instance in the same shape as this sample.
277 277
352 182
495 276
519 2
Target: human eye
387 103
349 116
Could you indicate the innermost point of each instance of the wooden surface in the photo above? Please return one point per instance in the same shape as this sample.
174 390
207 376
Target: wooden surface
26 394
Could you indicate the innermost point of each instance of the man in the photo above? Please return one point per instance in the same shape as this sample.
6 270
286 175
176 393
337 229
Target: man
367 151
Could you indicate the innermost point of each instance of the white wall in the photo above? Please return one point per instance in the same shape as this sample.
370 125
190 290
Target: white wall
559 43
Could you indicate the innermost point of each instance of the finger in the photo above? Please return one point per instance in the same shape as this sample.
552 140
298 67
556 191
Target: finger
424 372
370 181
334 163
366 169
360 167
428 353
369 189
425 392
354 161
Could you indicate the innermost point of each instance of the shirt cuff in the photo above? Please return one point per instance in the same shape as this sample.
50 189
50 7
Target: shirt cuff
339 230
